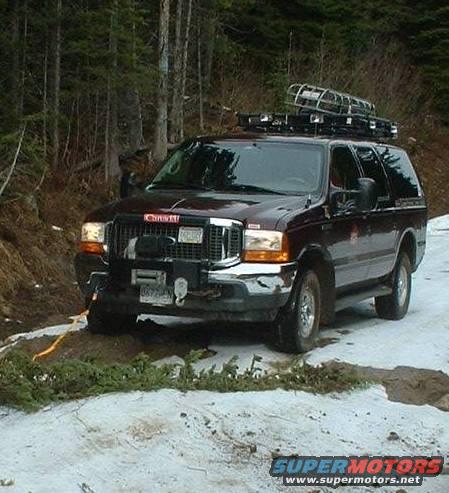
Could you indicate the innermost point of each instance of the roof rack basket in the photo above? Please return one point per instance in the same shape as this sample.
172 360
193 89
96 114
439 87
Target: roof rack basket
320 111
314 98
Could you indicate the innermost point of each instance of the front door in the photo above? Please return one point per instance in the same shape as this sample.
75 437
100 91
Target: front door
383 230
348 239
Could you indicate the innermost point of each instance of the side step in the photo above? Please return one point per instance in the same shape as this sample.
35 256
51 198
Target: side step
354 298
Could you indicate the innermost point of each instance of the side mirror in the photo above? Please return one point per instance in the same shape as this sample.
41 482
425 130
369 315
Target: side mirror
128 185
363 199
367 195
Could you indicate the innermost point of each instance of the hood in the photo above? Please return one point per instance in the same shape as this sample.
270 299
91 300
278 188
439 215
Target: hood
263 209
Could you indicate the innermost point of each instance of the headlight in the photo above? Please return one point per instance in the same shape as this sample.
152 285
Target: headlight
265 246
93 238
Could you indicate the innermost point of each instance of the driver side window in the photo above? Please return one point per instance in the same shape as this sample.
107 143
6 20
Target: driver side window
344 174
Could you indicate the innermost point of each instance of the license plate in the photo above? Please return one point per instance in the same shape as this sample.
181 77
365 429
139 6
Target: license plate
156 296
193 236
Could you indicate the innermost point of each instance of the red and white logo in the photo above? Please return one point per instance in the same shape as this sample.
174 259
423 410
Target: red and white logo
161 218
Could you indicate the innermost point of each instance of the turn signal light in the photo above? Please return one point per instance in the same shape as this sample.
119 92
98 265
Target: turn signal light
92 248
275 257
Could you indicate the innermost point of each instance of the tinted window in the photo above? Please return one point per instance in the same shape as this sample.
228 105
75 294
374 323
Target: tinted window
233 165
344 170
372 168
401 172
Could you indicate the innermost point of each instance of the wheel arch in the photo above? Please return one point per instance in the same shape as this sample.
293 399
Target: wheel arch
408 244
319 259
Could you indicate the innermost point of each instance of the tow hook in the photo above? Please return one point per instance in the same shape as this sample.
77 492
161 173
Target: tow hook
181 291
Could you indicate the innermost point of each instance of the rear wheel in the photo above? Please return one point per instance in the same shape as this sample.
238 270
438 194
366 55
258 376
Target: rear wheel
109 323
298 330
395 305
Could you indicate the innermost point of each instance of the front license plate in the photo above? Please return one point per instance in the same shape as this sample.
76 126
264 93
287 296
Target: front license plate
193 236
156 296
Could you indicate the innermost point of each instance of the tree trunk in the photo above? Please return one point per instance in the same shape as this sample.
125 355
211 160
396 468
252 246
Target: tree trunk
175 123
131 111
210 35
160 139
45 101
56 84
112 168
130 107
15 72
200 76
24 60
185 56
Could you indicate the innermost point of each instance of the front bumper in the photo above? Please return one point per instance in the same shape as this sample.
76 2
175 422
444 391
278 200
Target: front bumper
245 292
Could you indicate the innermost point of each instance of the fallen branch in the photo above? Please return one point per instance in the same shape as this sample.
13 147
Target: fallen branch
13 166
89 165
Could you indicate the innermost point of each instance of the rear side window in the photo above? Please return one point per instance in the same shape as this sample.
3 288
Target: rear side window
401 173
372 168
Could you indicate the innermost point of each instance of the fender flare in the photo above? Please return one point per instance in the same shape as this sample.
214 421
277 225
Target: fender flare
412 232
326 274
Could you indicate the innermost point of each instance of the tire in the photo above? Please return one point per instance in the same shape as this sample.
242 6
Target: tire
395 305
109 323
298 329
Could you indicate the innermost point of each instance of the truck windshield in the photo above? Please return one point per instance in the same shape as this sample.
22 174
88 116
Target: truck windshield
250 167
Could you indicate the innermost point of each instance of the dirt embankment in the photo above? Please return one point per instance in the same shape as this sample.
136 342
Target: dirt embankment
39 235
430 155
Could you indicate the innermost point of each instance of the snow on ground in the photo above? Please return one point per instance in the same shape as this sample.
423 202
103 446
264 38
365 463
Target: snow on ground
169 441
53 331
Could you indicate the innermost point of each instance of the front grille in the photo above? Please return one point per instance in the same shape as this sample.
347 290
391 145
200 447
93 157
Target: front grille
220 243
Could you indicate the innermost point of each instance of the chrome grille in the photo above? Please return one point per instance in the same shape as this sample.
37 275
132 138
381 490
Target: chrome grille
220 243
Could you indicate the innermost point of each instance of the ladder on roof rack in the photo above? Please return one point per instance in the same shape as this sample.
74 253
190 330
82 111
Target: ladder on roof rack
322 112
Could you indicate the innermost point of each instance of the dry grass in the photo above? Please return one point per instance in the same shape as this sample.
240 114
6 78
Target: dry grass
32 250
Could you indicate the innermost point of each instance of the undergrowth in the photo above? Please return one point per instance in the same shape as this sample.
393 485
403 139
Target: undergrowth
29 385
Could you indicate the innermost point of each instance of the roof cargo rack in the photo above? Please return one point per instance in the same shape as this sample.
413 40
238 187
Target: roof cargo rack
322 112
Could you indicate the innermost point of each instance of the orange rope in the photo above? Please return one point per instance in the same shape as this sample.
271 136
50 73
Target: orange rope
58 341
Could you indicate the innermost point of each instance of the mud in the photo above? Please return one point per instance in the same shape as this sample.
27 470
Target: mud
153 339
30 311
409 385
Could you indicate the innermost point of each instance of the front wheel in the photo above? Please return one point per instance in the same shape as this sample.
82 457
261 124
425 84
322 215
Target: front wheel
298 330
395 305
109 323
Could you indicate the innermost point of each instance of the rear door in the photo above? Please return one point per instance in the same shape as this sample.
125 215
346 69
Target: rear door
381 221
347 235
409 203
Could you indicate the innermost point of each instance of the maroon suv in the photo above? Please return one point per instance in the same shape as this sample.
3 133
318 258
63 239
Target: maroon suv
259 227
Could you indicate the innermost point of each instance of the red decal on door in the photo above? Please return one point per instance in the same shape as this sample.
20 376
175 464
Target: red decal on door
354 234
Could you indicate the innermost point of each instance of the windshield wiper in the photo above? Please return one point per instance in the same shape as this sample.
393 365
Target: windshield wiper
178 186
252 188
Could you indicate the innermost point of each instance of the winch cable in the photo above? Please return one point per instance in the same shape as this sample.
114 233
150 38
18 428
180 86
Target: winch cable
58 341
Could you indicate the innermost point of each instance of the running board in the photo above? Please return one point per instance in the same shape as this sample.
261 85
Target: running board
354 298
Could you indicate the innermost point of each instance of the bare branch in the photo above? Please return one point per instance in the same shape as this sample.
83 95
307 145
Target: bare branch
13 166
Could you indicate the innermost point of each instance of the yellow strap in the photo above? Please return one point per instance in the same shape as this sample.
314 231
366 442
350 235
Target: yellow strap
55 344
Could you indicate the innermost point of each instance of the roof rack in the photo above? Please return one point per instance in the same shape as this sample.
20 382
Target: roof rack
322 112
